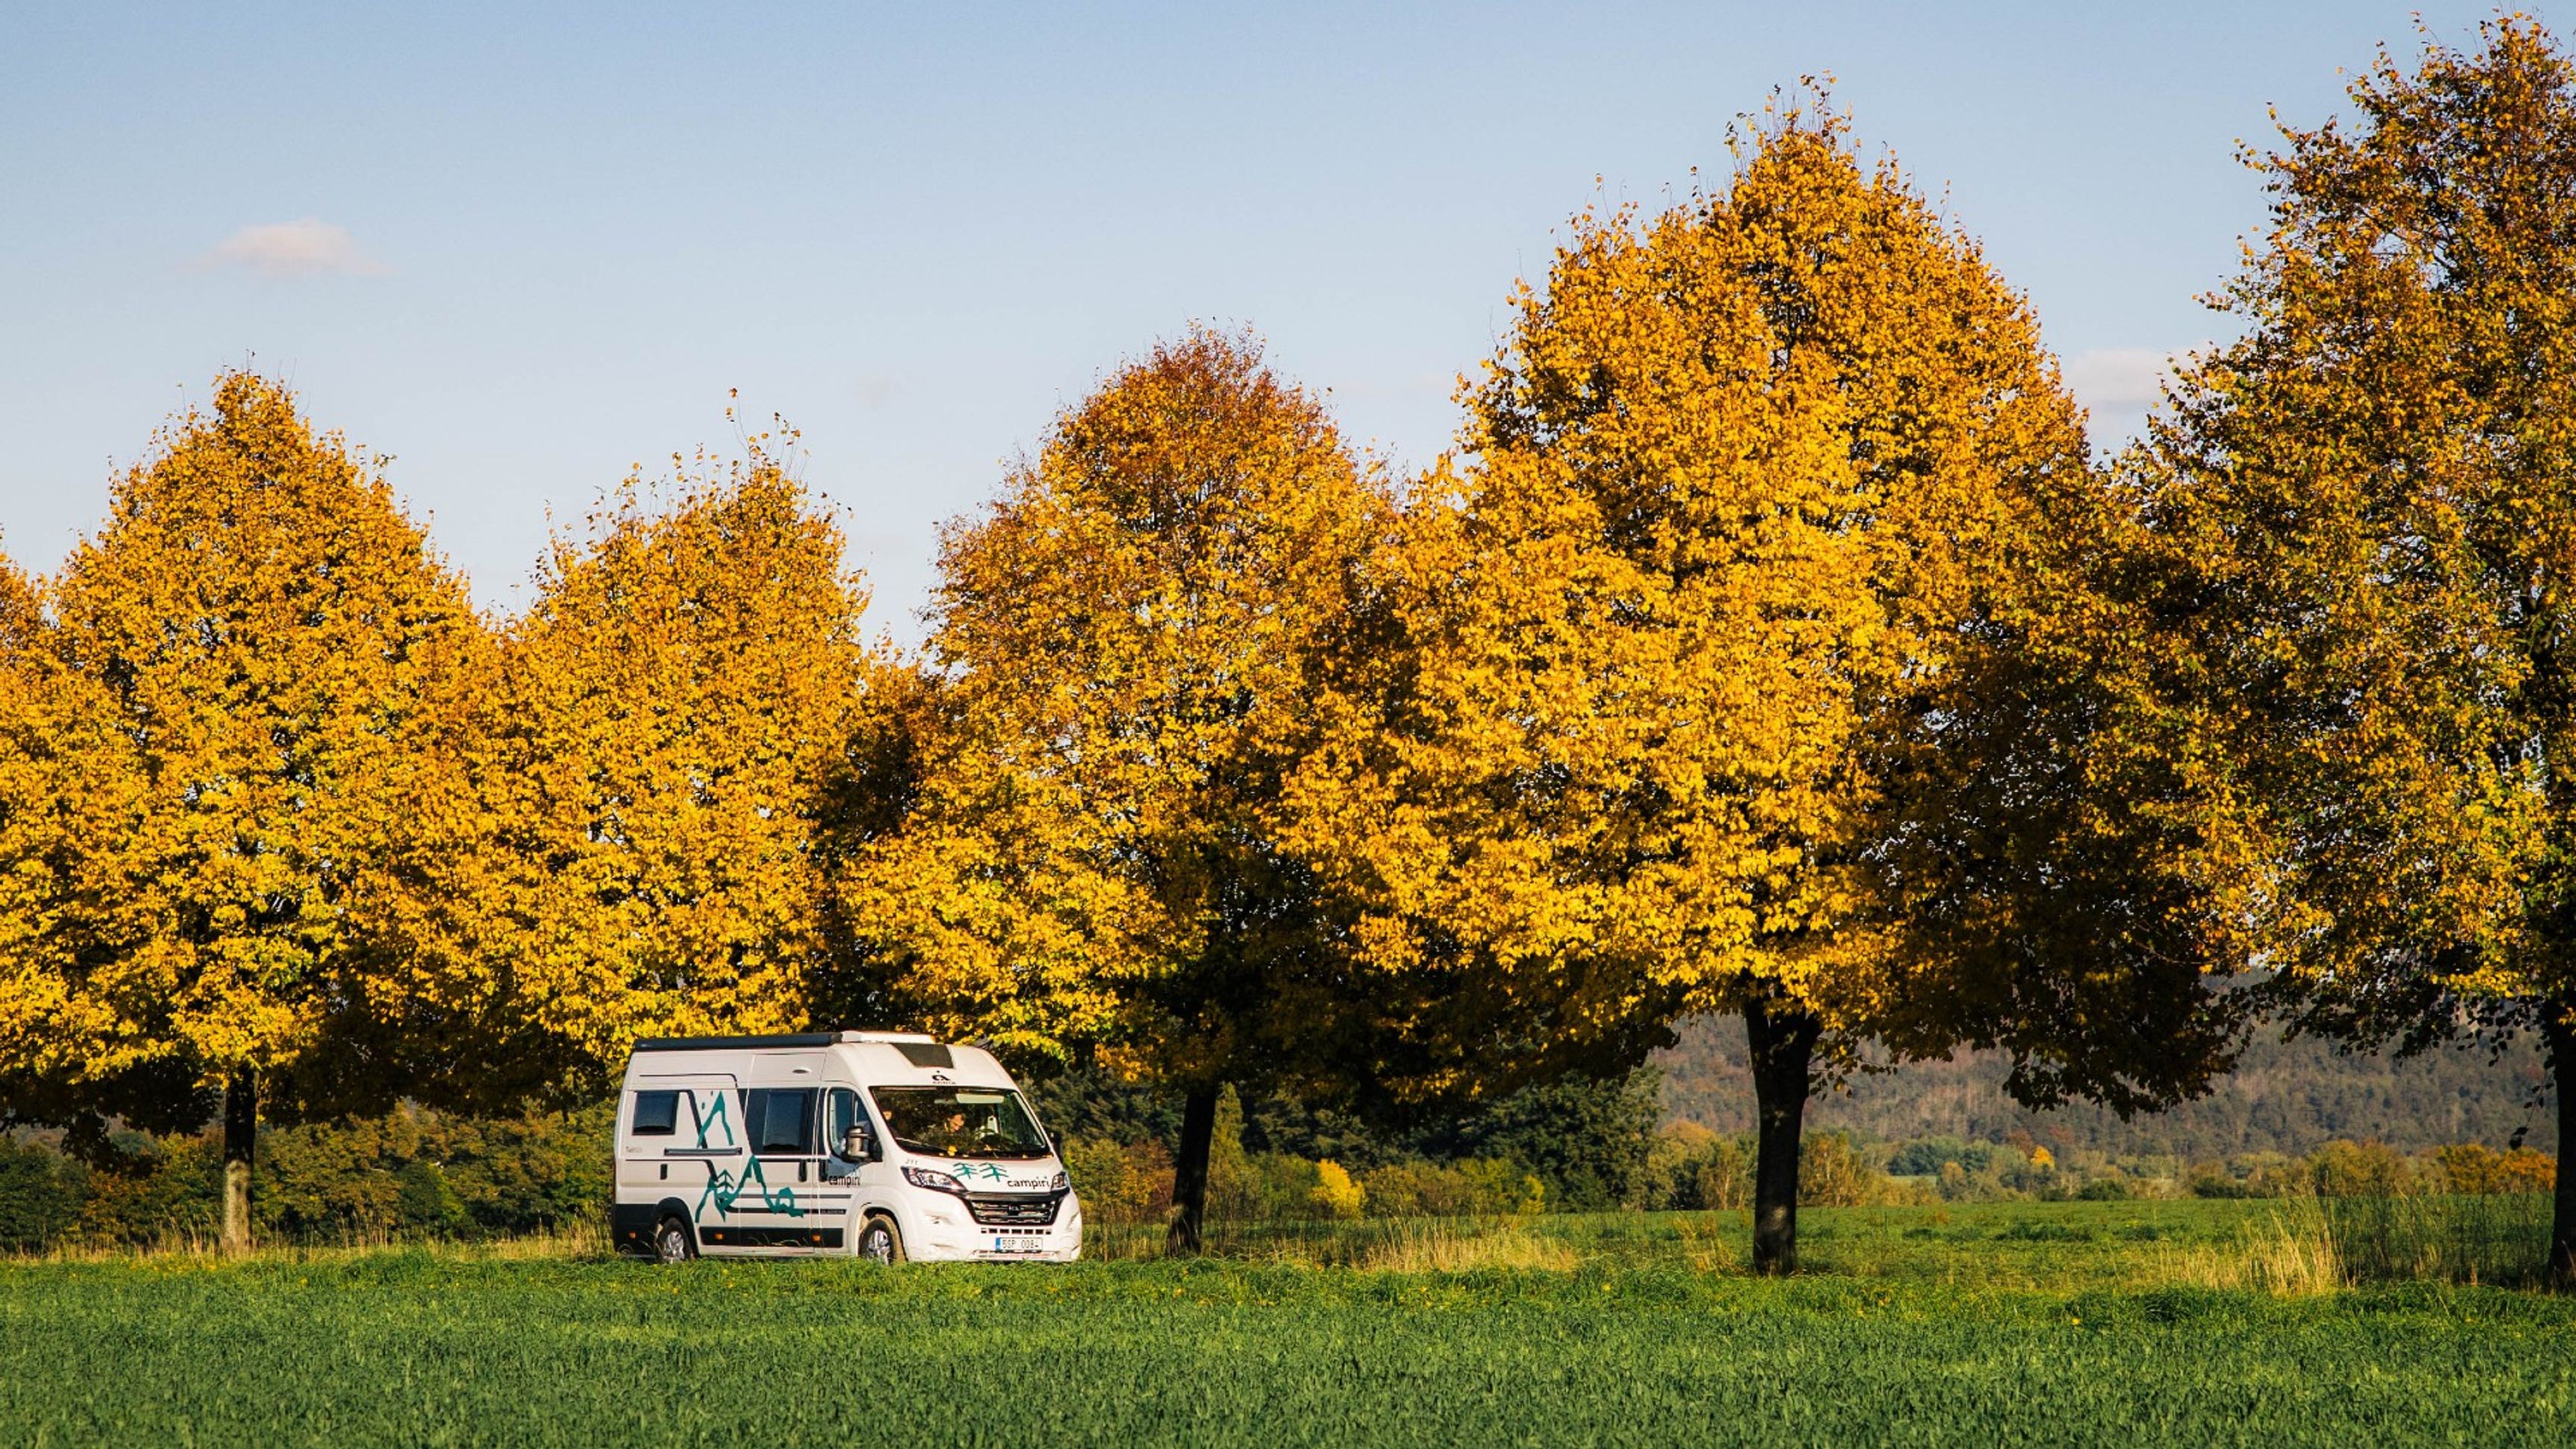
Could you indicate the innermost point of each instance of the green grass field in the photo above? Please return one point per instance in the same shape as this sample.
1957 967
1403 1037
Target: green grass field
2056 1323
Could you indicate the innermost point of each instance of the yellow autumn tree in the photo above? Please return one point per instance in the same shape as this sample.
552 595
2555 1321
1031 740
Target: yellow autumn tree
46 812
2369 540
1131 640
60 794
676 708
1745 485
221 731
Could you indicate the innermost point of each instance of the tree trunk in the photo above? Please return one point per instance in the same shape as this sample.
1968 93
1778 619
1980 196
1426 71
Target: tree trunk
1190 1172
2561 1036
241 1134
1783 1043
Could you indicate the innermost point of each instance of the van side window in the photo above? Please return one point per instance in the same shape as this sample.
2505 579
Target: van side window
842 1115
781 1119
657 1114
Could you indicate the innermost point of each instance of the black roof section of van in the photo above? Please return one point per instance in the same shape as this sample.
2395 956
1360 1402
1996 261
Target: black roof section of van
736 1043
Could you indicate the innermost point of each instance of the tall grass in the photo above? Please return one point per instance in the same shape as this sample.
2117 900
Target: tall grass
2494 1238
2309 1245
2288 1252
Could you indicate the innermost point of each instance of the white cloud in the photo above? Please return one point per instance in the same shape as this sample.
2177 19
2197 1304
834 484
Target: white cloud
2120 379
296 249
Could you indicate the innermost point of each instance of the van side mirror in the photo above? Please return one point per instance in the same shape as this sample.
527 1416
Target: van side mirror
856 1147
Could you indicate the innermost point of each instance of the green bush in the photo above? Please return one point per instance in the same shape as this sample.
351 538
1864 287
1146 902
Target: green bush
2474 1168
153 1188
40 1195
409 1173
1692 1169
1121 1182
1451 1189
2360 1169
1589 1141
1924 1157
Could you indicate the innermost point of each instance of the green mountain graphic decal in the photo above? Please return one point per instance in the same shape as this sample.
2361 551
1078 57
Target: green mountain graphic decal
724 1189
713 1117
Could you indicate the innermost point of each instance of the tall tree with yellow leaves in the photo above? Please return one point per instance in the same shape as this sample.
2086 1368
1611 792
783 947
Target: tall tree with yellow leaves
222 730
2368 511
60 795
1132 639
676 710
1750 487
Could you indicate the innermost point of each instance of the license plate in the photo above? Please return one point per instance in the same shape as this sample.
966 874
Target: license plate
1018 1245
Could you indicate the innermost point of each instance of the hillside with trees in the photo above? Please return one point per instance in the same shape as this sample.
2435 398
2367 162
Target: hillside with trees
2283 1097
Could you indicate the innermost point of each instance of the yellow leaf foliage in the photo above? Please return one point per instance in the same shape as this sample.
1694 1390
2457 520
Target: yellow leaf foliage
1131 638
1743 481
675 707
210 749
2365 510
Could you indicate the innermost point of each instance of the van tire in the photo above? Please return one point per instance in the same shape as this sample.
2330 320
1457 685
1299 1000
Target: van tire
672 1241
881 1241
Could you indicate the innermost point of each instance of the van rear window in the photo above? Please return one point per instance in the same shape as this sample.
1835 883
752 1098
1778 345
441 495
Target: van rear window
657 1114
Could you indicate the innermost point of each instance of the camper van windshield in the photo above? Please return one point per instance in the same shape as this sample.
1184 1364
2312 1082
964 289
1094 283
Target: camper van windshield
960 1122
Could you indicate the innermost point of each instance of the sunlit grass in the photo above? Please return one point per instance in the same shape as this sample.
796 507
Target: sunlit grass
2034 1323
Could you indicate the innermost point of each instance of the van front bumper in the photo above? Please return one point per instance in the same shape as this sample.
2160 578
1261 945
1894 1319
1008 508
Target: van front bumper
949 1230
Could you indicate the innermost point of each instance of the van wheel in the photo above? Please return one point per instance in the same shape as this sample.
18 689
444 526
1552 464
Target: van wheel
671 1243
880 1243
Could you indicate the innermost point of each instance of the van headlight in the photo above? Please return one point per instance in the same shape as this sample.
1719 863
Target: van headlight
1061 1183
935 1181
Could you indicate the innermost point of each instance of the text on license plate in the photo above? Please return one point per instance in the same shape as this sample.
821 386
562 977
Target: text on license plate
1018 1245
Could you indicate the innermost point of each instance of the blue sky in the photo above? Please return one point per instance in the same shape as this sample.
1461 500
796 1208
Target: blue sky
521 249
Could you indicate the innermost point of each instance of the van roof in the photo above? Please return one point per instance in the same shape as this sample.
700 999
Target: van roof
786 1039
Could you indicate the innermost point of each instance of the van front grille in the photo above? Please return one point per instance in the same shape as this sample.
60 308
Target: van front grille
1013 1209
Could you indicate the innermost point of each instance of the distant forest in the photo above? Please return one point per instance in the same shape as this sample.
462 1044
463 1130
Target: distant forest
2285 1097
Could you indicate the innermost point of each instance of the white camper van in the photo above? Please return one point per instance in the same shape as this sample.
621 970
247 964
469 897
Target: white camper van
886 1145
